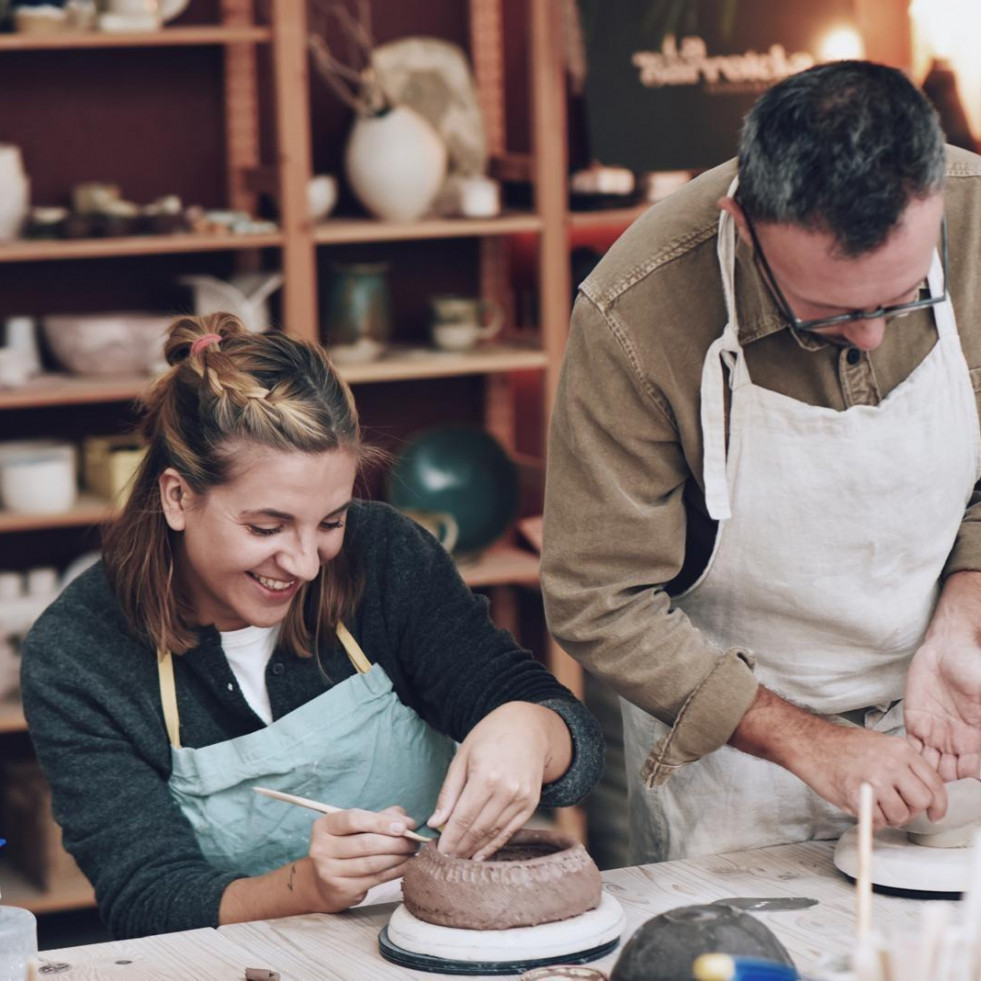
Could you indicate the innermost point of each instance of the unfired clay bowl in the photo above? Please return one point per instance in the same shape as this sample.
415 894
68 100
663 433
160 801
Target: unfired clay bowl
538 877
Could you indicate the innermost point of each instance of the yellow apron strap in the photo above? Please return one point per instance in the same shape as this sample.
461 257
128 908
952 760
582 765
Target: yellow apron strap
168 697
354 653
168 690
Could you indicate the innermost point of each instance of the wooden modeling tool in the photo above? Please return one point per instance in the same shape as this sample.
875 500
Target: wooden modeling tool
863 881
866 963
314 805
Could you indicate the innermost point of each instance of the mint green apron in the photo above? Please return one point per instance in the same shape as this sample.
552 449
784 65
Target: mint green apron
356 745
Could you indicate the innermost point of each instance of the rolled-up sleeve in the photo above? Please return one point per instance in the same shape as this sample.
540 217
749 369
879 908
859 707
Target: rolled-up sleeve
615 531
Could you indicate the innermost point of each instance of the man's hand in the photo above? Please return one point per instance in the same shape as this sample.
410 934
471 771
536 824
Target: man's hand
942 708
834 761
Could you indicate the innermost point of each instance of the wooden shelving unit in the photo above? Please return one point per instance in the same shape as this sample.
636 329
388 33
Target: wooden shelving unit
166 38
298 241
398 364
338 231
17 891
607 217
47 250
87 511
12 717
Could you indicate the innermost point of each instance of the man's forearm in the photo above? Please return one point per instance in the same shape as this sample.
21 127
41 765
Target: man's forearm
775 730
958 612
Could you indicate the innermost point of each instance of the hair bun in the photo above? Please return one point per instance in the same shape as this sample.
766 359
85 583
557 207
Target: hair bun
186 334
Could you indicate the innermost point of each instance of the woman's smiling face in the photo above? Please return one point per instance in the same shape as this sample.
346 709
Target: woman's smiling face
248 545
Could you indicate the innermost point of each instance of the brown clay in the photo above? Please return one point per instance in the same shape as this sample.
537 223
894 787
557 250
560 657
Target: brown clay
538 877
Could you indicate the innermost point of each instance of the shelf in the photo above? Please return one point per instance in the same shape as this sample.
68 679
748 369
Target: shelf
73 390
17 891
501 565
12 717
400 364
340 230
404 364
166 37
88 511
607 218
43 250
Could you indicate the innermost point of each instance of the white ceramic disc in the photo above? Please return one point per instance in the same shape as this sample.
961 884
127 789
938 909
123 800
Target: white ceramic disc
898 863
562 939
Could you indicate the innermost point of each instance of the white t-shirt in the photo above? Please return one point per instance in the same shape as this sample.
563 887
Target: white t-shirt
248 651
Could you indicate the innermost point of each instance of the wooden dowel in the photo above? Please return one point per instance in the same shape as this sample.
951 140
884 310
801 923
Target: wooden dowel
315 805
863 883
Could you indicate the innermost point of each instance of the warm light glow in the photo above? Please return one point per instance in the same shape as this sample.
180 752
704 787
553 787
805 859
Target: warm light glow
951 29
842 44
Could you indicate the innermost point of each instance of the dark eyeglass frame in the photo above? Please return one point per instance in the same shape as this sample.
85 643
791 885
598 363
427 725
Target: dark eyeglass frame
887 313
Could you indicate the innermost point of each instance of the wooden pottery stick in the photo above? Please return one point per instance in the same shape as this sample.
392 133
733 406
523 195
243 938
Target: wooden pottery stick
971 921
936 917
863 882
866 962
315 805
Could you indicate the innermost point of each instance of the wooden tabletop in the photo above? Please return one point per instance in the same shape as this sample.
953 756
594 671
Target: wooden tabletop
343 947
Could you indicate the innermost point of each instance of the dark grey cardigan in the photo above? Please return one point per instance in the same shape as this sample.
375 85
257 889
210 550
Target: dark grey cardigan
92 701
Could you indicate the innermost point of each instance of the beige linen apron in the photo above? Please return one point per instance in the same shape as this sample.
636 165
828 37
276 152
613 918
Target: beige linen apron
834 528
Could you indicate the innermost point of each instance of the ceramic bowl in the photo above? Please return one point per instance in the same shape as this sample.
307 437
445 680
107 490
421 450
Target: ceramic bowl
38 477
107 343
538 877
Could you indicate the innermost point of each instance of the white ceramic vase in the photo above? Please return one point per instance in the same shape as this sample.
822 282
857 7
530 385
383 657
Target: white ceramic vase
395 164
14 192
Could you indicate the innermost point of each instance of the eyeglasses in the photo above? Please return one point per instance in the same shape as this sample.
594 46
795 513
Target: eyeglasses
880 313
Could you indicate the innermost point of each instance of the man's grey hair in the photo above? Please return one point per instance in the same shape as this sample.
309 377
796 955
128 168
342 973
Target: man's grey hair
842 147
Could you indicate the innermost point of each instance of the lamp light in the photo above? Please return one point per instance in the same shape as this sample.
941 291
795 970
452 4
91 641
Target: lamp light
841 44
947 46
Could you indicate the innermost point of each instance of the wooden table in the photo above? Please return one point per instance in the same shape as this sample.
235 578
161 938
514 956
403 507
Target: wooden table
343 947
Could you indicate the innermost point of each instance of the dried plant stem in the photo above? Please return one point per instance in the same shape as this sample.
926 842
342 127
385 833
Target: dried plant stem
353 84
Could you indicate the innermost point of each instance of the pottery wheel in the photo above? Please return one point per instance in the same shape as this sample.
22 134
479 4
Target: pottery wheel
414 943
898 863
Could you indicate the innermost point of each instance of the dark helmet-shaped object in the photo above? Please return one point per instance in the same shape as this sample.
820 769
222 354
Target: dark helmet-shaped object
665 947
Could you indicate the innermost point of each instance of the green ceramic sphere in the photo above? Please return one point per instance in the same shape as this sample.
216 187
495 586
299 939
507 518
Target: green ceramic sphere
463 471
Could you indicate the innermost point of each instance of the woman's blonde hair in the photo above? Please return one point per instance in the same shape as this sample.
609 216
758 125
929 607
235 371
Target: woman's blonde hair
269 389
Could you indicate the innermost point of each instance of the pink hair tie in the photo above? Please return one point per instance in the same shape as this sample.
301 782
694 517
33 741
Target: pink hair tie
203 342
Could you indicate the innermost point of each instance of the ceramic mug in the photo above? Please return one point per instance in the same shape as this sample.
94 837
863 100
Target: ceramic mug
457 323
440 524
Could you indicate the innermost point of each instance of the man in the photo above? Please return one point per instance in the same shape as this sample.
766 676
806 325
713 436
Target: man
762 469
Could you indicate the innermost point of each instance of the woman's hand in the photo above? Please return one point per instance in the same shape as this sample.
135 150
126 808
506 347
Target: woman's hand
495 780
354 850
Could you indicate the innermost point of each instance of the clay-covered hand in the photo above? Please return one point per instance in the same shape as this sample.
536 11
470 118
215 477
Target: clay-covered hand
495 780
942 709
839 759
354 850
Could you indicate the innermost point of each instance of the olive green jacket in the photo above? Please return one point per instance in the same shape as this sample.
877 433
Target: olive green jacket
625 520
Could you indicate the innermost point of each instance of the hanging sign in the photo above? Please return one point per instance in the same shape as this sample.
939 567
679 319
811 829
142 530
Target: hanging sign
669 81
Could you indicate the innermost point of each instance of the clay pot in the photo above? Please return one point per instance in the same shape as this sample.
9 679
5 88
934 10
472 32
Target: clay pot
395 164
664 948
538 877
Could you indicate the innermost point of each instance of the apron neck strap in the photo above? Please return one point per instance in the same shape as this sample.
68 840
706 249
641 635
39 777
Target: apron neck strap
168 697
353 650
168 689
724 349
944 312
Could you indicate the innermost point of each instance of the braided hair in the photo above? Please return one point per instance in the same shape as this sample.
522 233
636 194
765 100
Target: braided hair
227 386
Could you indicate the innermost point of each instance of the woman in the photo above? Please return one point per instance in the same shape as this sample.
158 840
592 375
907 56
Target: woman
252 624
